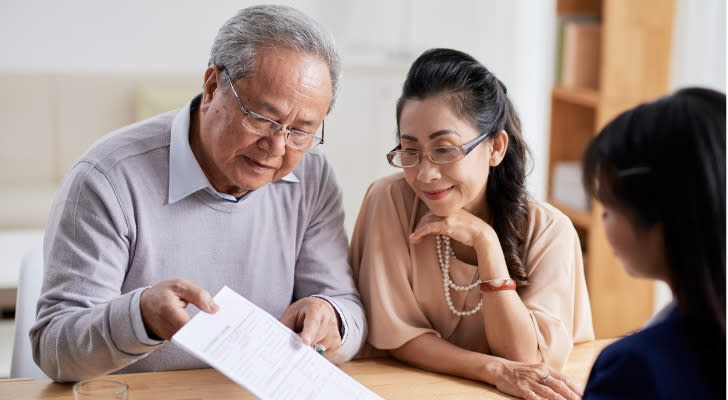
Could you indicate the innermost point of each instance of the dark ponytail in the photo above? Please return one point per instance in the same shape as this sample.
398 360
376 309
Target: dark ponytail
507 196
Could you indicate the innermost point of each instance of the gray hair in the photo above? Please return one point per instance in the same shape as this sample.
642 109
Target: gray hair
255 27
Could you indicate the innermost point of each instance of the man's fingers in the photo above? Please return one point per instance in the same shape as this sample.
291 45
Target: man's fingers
196 295
163 306
315 321
310 331
289 319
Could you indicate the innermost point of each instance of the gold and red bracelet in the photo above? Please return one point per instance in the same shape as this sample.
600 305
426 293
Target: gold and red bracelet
494 285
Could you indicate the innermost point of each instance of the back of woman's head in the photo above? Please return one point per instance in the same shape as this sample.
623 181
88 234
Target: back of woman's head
664 164
477 96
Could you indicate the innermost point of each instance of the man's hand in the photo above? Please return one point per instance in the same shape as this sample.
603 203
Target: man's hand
163 306
315 321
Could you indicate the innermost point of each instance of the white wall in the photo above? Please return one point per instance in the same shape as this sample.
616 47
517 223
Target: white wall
699 44
377 38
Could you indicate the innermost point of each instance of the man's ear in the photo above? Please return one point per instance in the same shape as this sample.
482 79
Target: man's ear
499 146
210 84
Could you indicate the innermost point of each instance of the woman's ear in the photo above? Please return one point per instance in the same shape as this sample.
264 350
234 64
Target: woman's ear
498 147
210 84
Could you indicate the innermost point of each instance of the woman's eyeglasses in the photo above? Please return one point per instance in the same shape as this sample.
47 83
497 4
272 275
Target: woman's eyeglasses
440 155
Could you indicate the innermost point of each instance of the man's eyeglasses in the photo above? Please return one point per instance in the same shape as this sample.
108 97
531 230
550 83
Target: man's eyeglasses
264 126
440 155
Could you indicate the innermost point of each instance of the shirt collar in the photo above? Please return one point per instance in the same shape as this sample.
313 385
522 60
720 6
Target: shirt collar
185 174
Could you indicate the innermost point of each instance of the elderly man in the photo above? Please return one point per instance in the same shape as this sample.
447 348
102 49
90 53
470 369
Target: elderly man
228 191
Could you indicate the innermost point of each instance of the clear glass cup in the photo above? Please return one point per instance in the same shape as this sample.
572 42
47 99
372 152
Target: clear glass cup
97 389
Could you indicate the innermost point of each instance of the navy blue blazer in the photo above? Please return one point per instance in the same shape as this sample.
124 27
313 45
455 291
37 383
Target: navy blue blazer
659 362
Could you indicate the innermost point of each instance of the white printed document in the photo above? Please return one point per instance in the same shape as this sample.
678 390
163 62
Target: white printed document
256 351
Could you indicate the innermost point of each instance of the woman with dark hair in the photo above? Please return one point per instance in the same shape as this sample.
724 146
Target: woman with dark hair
659 171
460 270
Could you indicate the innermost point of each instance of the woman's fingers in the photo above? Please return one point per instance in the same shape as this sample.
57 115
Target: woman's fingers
431 228
461 226
563 385
536 381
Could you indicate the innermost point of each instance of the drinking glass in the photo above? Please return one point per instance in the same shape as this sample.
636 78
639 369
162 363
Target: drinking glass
98 389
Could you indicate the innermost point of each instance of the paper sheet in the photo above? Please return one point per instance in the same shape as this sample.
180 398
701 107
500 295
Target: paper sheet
256 351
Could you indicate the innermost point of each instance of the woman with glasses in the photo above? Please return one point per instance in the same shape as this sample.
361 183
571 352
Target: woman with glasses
659 171
460 270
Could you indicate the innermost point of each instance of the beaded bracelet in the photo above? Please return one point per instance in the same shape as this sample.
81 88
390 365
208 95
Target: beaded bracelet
494 285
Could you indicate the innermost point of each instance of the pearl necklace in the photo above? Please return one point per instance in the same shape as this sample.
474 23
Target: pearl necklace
442 244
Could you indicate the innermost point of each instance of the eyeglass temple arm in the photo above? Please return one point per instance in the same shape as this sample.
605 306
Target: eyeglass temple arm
476 142
323 131
237 98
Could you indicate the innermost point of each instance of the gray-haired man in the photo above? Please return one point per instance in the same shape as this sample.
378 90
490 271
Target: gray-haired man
226 191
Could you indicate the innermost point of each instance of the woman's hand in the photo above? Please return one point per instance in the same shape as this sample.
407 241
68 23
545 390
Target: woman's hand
462 226
535 381
471 231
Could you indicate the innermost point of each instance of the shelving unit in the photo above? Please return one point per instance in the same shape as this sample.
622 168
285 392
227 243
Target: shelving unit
634 67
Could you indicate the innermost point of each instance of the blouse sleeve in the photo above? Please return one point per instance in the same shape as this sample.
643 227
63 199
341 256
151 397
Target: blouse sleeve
556 296
379 255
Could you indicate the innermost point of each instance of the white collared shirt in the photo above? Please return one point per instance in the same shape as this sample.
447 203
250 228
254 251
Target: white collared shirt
185 174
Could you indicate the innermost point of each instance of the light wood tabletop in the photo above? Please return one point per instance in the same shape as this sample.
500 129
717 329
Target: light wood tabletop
385 376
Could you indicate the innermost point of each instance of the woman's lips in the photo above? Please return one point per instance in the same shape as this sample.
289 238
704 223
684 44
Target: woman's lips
437 194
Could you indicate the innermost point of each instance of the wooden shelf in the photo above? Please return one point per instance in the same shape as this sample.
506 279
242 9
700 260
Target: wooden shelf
566 7
580 218
639 31
578 96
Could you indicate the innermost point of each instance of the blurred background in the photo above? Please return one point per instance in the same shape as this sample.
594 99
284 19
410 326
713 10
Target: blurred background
72 71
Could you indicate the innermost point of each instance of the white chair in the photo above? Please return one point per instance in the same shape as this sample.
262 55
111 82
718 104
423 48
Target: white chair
29 285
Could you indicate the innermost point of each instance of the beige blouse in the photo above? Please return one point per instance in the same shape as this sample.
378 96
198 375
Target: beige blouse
401 284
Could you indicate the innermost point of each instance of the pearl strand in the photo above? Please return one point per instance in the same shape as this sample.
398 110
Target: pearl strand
443 242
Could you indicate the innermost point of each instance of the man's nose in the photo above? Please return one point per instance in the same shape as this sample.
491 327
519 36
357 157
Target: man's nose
275 142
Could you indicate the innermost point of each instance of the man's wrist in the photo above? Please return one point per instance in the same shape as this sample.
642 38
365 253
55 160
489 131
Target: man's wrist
139 327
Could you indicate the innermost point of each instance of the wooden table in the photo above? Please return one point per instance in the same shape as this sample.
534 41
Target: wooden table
387 377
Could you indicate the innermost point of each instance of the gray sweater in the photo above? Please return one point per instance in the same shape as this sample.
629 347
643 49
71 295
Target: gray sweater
112 232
